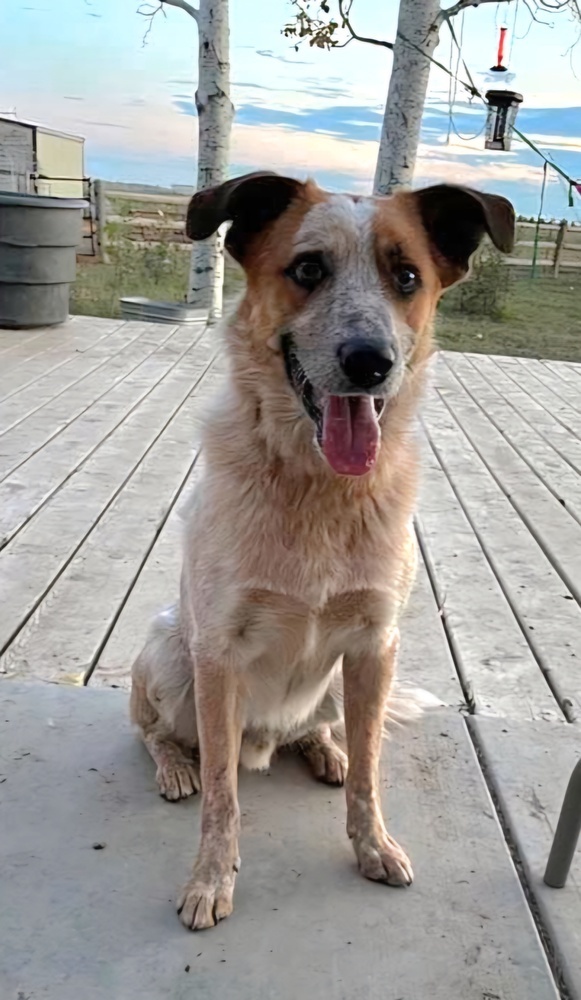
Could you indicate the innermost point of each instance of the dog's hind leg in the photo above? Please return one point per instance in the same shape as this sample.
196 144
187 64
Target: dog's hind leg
319 744
177 774
162 705
324 756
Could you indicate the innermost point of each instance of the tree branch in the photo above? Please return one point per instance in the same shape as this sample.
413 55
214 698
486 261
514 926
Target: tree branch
360 38
184 5
322 33
150 11
463 4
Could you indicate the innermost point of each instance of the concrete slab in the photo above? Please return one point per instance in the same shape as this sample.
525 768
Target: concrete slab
81 923
530 765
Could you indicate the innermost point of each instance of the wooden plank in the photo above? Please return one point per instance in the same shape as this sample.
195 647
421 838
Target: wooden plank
156 587
551 401
35 481
48 363
530 797
556 473
565 369
28 436
51 345
555 384
497 667
425 659
9 339
40 552
535 592
558 534
463 931
508 381
87 596
55 382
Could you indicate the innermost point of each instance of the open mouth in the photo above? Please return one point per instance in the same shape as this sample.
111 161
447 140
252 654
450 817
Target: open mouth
347 427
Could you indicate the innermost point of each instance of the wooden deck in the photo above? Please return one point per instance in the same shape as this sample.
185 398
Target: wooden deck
99 450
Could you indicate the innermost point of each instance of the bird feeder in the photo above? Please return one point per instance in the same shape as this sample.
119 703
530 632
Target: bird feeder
502 108
502 105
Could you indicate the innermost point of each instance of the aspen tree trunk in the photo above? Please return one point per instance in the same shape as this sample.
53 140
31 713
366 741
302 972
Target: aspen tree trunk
215 116
419 22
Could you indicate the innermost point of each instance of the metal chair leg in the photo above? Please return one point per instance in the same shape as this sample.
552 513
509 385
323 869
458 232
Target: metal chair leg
566 834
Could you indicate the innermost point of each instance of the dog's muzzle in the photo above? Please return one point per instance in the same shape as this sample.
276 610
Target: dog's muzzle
346 425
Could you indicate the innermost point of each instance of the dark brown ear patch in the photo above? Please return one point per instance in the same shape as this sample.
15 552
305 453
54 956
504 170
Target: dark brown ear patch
250 203
457 218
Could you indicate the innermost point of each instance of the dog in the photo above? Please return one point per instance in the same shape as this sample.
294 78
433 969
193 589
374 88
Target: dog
299 549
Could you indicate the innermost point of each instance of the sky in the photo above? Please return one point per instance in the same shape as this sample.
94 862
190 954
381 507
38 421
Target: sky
81 66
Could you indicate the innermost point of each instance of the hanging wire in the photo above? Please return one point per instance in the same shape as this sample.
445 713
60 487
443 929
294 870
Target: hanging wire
451 84
539 219
513 32
453 88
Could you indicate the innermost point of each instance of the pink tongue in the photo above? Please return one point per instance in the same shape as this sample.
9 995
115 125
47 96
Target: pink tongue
351 434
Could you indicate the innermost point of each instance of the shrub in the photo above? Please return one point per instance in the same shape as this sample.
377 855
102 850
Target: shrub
485 292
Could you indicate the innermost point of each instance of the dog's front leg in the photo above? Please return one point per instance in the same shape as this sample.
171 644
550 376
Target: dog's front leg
207 897
367 680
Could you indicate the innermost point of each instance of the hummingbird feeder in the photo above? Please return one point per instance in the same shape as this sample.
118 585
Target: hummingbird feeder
502 107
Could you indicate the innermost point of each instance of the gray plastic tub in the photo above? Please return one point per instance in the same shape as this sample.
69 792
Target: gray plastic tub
39 237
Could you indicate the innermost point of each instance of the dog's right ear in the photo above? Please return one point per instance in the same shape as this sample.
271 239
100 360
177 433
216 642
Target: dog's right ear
248 202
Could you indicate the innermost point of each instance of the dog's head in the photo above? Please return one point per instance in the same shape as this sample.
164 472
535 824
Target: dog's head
345 289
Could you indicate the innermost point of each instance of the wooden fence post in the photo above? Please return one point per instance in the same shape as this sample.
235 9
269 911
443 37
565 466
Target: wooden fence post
559 246
101 220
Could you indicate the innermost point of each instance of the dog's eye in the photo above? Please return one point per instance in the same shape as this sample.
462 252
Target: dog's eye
407 280
308 271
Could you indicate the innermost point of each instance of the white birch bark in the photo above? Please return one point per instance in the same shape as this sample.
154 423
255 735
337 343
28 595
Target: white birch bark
215 116
419 22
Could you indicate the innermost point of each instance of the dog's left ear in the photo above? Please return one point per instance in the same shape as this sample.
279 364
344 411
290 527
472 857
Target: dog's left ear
456 219
248 202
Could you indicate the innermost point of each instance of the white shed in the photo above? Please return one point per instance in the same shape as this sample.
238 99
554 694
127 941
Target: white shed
41 160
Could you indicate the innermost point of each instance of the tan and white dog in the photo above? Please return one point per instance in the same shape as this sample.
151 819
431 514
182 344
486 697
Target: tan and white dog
298 550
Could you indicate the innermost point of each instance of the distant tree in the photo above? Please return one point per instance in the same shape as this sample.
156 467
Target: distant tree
215 116
328 24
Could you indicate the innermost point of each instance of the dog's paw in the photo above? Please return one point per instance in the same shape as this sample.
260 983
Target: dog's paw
207 899
383 860
327 762
178 779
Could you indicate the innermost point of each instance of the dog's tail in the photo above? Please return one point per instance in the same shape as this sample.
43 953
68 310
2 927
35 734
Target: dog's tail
408 704
405 706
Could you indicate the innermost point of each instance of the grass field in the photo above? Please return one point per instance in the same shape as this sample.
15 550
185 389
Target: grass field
541 317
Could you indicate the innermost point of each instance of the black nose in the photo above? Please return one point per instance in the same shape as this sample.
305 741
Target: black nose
364 364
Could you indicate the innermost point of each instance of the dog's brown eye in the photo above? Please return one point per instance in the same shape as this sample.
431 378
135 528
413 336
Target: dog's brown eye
308 271
407 280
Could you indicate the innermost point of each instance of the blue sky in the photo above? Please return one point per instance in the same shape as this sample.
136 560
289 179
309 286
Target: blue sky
80 65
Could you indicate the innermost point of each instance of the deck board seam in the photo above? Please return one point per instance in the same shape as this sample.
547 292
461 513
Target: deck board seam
518 864
539 432
108 631
561 700
548 388
570 430
15 531
61 364
515 447
45 350
85 410
552 558
465 685
66 388
43 595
